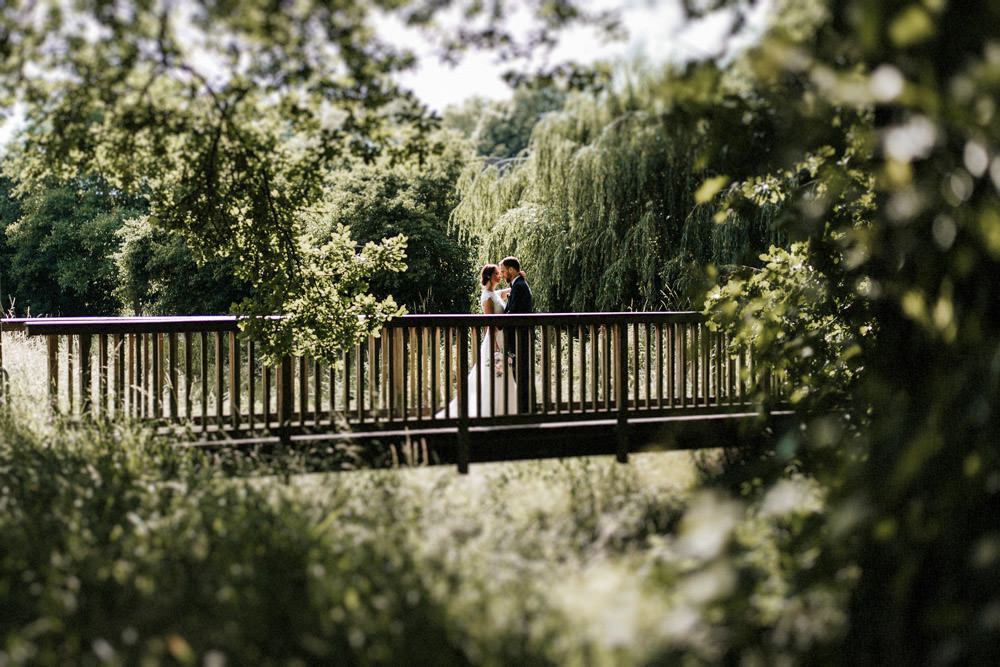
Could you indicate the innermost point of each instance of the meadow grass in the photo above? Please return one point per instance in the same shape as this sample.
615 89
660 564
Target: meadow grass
118 549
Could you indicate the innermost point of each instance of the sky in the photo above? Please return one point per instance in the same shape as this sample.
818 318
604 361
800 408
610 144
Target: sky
656 31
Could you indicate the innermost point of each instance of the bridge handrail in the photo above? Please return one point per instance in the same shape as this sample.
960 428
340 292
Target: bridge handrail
72 326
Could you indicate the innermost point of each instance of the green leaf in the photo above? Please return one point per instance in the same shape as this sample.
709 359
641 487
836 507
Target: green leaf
709 188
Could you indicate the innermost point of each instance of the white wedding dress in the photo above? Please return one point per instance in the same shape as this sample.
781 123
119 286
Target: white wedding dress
488 370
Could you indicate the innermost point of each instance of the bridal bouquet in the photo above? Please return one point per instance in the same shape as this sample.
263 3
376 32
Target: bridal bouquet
498 359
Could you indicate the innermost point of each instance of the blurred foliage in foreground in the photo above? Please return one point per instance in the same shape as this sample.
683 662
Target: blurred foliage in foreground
894 135
117 550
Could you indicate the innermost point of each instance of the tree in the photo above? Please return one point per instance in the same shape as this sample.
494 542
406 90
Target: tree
158 275
229 115
413 200
61 249
915 505
604 210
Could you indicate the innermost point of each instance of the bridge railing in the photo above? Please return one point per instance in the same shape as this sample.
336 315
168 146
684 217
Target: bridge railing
197 372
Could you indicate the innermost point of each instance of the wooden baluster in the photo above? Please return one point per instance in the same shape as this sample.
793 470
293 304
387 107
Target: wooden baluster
317 392
463 403
172 374
203 376
235 383
621 391
706 363
266 380
374 373
447 369
661 366
544 403
649 365
119 377
52 347
434 370
251 414
188 377
70 376
419 366
360 384
303 376
85 364
569 369
594 348
558 370
285 399
103 381
606 365
635 363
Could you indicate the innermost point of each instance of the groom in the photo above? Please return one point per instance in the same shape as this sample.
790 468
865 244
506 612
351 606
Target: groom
519 301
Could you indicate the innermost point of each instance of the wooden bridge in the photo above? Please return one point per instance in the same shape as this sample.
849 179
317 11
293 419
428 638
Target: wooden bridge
604 383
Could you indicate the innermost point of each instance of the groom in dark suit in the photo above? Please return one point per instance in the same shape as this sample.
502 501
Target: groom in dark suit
519 301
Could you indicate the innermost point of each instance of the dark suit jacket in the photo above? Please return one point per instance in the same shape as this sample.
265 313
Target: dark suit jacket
519 300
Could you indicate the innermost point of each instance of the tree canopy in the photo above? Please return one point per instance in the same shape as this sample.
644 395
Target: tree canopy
230 115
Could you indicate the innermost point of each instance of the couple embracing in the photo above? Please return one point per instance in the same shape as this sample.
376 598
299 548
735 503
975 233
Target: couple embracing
497 347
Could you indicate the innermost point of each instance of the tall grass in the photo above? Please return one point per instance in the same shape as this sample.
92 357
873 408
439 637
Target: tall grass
117 549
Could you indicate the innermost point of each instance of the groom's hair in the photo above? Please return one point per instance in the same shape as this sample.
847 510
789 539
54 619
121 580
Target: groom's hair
511 262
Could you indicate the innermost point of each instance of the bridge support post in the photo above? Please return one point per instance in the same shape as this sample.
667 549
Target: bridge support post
621 391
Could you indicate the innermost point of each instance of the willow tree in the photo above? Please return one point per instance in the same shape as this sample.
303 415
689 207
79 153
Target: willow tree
604 208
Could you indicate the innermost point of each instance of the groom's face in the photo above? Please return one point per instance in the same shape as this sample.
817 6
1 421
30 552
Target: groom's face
509 274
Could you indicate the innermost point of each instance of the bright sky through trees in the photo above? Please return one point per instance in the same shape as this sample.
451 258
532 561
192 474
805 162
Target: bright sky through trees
655 31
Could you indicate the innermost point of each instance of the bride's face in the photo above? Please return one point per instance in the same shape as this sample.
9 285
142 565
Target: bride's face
495 279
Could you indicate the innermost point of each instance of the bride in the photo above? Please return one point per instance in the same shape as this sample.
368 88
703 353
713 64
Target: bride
493 366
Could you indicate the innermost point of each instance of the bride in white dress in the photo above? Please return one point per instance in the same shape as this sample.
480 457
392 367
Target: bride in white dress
493 366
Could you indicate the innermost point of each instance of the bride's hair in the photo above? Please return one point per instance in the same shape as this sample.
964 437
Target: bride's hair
487 273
